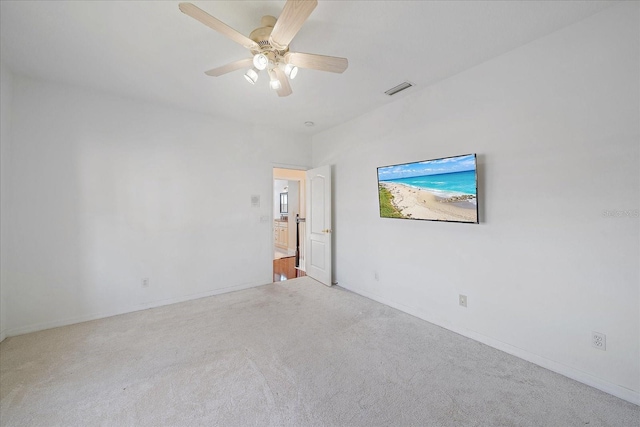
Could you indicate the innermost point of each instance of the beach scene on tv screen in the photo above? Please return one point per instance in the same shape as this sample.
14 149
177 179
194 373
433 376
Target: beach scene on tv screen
436 190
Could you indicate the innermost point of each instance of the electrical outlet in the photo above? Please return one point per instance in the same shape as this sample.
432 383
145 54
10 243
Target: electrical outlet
145 283
462 300
599 340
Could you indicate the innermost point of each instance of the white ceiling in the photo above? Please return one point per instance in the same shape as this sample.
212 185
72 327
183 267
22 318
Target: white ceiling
149 50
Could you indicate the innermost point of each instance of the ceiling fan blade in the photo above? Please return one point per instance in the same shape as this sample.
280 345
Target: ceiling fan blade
316 62
285 87
214 23
217 72
294 14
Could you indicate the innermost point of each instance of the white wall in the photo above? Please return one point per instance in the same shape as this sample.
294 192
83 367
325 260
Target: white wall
109 191
5 130
556 127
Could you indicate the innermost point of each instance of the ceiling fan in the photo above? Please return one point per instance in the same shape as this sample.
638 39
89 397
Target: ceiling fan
269 46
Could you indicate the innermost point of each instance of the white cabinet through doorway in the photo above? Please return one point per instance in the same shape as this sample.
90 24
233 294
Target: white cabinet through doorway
281 234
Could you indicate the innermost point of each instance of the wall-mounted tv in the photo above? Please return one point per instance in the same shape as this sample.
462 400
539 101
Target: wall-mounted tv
434 190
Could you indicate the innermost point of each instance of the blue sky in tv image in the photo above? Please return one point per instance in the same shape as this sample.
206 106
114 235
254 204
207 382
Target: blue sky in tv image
449 175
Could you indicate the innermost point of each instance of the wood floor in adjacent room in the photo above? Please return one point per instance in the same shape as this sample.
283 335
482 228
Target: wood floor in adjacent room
293 353
285 269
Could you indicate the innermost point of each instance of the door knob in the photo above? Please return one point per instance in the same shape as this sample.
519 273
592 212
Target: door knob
327 230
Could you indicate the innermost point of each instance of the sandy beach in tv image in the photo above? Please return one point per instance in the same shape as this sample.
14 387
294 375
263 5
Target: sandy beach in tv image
436 190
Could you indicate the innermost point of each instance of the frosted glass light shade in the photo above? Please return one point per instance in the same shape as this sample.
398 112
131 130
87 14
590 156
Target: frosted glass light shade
291 71
260 61
275 84
251 75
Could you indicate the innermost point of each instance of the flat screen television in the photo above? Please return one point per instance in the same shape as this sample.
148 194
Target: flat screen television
434 190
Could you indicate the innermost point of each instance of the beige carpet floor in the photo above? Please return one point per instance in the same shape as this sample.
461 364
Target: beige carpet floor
294 353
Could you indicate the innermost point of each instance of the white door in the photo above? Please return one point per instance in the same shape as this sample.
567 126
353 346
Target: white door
318 229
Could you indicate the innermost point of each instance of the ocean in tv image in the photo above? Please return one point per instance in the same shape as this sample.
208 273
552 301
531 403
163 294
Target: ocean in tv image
436 190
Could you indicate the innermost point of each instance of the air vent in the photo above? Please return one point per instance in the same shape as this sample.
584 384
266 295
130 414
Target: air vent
399 88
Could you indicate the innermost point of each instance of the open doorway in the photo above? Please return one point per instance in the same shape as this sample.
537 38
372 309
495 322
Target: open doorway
288 223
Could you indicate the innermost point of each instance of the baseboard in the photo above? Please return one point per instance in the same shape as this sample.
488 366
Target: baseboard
557 367
140 307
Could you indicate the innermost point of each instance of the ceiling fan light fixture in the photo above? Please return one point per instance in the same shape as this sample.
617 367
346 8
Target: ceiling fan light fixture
251 75
269 46
274 83
260 61
291 71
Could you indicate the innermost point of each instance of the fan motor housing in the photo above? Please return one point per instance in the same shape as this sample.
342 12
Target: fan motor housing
261 36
